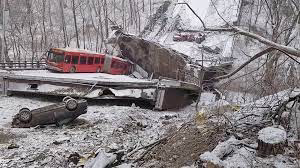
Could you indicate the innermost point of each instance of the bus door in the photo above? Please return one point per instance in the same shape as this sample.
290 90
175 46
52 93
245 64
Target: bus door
74 63
67 63
91 67
83 67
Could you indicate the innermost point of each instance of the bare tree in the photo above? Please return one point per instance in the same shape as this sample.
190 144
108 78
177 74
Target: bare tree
75 23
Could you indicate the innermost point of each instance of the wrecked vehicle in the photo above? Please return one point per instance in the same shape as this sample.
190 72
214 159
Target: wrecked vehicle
198 38
184 37
59 114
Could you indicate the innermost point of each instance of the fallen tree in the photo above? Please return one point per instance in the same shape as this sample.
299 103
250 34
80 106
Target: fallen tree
238 31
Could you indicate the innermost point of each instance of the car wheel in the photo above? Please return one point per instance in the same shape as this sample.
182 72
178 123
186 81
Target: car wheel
66 98
25 115
72 70
71 104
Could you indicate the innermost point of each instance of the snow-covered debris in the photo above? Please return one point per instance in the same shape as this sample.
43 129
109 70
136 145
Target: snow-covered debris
272 135
221 150
241 158
102 160
103 126
209 157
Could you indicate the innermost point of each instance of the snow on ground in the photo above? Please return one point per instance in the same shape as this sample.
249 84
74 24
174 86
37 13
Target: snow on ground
189 20
103 126
194 50
222 9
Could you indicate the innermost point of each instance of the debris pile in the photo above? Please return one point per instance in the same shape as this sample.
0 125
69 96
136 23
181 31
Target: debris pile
257 139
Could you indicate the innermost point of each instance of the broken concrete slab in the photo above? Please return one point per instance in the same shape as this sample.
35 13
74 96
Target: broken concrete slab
158 60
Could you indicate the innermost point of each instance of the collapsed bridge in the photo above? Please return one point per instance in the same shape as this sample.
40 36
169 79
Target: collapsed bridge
170 80
163 94
157 61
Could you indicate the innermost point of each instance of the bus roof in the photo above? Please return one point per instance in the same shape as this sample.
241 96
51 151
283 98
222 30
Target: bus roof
75 50
84 51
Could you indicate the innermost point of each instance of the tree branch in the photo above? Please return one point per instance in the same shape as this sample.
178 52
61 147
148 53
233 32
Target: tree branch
246 63
287 49
183 3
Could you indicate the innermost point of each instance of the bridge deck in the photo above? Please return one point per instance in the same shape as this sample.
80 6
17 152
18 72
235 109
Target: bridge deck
164 93
83 78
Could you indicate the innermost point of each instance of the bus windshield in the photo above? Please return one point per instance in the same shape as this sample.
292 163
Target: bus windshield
57 58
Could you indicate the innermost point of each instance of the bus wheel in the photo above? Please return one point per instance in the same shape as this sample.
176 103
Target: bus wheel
72 70
98 70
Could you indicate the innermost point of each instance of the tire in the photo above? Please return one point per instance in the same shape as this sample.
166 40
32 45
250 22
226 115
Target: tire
66 98
71 104
98 70
72 69
25 115
9 93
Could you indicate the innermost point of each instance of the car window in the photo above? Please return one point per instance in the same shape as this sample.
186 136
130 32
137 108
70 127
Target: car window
91 60
82 60
75 59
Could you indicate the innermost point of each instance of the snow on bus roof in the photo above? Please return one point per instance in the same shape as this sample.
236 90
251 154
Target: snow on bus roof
77 50
86 51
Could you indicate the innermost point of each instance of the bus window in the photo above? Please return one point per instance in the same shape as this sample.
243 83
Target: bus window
82 60
57 58
75 59
97 60
90 60
102 60
68 59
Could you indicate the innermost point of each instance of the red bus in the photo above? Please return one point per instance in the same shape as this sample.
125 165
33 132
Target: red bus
77 60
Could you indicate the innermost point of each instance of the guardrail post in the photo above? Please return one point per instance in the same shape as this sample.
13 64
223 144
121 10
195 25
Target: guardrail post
38 64
10 64
25 64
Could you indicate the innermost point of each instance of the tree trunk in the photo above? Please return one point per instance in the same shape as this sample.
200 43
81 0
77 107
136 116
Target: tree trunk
105 10
75 24
61 4
271 141
44 26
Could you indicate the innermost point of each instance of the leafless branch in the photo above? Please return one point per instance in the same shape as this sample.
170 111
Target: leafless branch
183 3
246 63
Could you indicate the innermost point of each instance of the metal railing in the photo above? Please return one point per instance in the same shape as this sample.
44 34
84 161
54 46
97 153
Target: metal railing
23 65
